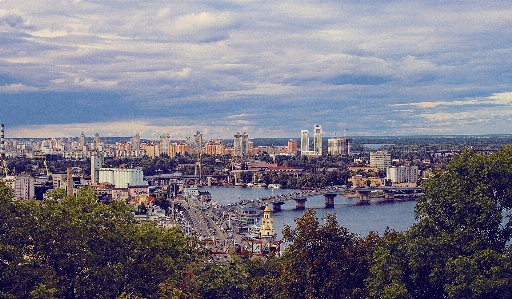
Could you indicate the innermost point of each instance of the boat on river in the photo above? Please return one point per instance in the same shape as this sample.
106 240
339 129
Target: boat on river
274 186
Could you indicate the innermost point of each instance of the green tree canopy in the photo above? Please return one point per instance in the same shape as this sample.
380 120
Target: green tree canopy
457 247
79 248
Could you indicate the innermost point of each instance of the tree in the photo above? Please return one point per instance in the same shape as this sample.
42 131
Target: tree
457 247
80 248
325 261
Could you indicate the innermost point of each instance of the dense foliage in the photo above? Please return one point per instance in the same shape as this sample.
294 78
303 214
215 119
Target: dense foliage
79 248
459 248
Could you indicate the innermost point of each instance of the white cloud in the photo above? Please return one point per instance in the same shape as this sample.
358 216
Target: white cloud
17 88
94 83
47 33
200 21
501 98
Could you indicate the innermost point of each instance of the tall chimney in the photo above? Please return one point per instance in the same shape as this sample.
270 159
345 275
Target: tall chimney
2 143
69 181
2 151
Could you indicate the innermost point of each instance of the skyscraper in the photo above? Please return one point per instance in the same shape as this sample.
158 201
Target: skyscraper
317 140
96 142
241 144
292 146
136 142
165 142
96 163
82 142
198 142
304 141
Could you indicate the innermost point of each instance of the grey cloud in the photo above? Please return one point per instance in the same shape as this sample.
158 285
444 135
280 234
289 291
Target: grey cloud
286 64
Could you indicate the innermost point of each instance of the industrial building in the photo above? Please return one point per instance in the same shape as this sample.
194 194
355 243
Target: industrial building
122 177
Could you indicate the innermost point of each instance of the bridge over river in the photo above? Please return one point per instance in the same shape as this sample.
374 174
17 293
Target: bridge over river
330 193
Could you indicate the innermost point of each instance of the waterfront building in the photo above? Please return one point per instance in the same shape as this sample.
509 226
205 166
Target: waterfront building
317 140
402 174
340 146
267 224
361 181
380 160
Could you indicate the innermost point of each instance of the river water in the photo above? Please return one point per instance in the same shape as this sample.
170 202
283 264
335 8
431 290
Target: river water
359 219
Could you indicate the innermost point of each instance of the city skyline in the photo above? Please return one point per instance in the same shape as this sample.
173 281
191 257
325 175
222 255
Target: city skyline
271 69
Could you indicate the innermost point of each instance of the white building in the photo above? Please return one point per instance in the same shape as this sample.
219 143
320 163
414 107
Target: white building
304 141
317 140
402 174
122 177
339 146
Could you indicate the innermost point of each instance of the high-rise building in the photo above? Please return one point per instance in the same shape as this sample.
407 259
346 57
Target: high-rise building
339 146
81 142
317 140
304 141
152 150
165 142
24 188
181 148
97 161
214 147
136 142
96 142
402 174
198 142
380 160
241 144
292 146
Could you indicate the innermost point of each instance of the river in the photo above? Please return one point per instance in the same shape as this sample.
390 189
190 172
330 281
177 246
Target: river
360 219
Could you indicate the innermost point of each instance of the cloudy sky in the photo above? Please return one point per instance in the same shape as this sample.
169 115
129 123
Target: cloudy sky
268 68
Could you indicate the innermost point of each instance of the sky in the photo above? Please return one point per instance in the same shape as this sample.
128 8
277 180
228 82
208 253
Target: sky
267 68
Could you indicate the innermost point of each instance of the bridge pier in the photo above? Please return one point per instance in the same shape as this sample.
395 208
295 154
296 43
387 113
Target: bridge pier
364 195
329 200
389 194
410 193
300 203
276 206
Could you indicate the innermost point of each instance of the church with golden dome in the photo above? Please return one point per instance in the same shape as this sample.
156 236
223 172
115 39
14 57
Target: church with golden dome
267 224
